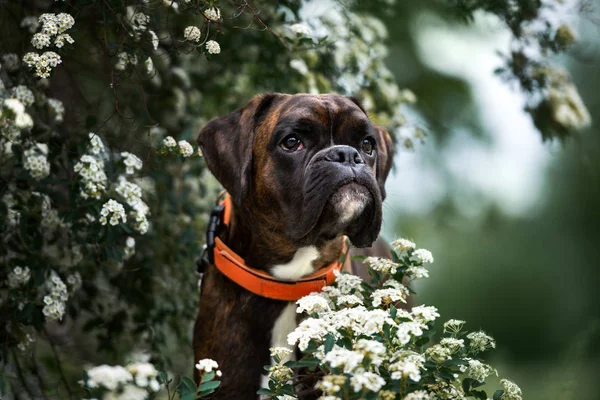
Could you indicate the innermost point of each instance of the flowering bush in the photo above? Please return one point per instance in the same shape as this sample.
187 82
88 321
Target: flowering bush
359 343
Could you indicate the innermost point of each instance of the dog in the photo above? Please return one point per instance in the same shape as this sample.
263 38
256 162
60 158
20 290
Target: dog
302 173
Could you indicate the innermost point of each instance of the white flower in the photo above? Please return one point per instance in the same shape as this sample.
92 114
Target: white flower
309 329
330 385
169 142
480 341
122 61
417 272
10 61
109 377
314 303
419 395
299 65
18 277
207 365
212 14
424 256
144 374
280 352
40 40
408 364
114 210
23 94
301 29
54 308
511 390
153 39
453 325
387 296
43 63
438 353
132 162
37 164
57 108
31 23
149 65
453 344
402 245
129 392
280 373
62 38
348 300
192 33
425 314
383 265
478 370
371 349
15 106
407 330
129 249
213 47
345 359
96 145
366 380
185 149
129 191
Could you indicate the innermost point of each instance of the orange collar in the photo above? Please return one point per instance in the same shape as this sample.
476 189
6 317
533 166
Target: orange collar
257 281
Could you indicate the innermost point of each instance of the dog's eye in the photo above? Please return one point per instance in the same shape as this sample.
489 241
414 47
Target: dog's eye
367 146
291 143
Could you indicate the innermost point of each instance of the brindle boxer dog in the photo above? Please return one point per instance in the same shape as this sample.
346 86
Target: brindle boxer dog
302 171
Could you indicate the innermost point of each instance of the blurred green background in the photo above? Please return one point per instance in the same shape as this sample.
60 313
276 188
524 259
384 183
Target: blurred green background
514 223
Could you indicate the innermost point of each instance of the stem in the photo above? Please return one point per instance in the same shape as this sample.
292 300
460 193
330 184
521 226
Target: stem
63 378
21 376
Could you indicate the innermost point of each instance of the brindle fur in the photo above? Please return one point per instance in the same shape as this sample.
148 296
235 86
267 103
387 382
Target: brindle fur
234 326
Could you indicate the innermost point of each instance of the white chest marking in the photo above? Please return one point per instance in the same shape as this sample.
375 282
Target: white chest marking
284 325
300 265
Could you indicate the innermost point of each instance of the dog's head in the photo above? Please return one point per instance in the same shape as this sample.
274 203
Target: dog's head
315 164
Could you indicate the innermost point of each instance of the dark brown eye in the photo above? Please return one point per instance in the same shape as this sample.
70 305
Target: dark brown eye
291 143
367 146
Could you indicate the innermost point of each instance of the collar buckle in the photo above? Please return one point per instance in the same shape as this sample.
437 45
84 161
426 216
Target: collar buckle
215 223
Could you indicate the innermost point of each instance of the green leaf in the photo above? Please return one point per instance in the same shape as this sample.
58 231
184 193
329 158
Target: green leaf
498 394
305 362
393 311
208 386
265 391
479 394
207 377
163 376
329 342
186 386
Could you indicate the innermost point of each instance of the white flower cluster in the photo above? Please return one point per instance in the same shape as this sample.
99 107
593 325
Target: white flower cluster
93 177
43 63
192 33
54 27
57 109
213 14
36 162
213 47
300 29
376 350
208 365
182 148
26 342
13 112
124 59
136 380
138 22
114 210
55 301
511 390
185 149
23 94
10 62
132 163
19 277
132 194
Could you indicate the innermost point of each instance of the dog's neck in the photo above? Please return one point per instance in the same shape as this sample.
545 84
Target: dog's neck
236 327
264 245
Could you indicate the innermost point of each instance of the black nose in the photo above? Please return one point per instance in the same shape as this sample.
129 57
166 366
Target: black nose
344 155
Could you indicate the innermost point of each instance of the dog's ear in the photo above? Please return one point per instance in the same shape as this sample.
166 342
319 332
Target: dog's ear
227 143
385 156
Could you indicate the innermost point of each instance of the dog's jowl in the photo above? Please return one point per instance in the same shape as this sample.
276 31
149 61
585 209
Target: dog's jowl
303 173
